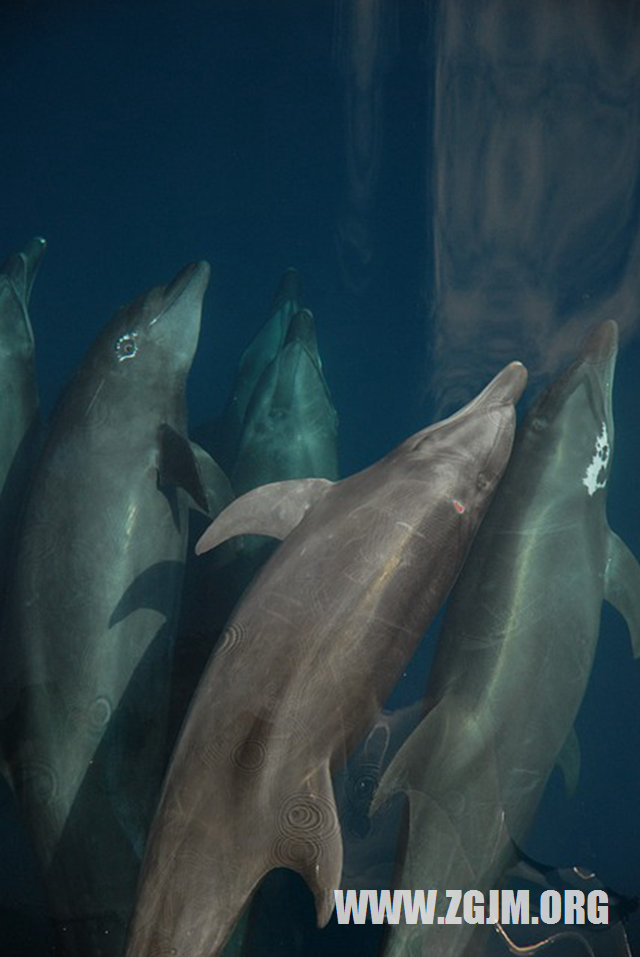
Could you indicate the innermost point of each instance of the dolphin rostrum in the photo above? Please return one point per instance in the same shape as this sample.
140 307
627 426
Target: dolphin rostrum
516 649
303 666
93 605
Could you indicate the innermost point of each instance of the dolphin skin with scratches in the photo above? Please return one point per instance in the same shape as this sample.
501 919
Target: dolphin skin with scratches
92 610
516 650
306 660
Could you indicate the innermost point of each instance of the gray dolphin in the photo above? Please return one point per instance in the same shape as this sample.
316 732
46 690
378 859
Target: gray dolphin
224 434
516 649
92 606
18 388
305 662
290 425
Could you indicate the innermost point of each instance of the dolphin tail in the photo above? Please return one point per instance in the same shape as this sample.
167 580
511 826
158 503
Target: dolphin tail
200 871
622 587
308 839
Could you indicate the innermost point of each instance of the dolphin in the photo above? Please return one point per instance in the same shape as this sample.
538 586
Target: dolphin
18 388
290 426
312 650
93 604
516 648
224 433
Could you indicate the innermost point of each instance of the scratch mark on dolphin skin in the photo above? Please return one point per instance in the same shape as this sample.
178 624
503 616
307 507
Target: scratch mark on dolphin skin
599 462
411 528
94 397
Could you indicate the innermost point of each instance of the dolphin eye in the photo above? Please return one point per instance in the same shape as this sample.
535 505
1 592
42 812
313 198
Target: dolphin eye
126 346
482 482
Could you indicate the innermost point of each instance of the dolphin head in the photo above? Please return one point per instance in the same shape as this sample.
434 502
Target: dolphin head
572 421
471 448
150 343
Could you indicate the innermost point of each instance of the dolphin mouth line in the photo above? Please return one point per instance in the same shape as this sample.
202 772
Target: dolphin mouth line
175 290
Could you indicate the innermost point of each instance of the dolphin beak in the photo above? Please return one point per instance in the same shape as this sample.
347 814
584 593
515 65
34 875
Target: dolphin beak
504 389
22 268
180 312
189 285
32 257
289 290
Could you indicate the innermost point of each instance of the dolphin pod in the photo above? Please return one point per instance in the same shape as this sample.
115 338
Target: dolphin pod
516 649
91 616
285 741
333 617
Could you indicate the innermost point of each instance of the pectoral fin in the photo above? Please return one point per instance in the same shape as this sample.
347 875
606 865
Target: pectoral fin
272 510
216 485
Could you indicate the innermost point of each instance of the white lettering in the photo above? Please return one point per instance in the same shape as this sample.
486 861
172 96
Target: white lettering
550 907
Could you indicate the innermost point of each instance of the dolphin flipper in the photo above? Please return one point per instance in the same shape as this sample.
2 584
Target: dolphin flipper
272 510
217 487
177 465
622 587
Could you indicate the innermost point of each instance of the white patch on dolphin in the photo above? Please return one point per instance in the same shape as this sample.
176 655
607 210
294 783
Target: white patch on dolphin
599 463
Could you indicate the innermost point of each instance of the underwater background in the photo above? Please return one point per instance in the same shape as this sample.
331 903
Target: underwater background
457 184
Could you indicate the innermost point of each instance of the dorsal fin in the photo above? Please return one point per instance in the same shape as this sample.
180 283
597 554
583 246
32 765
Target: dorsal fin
272 510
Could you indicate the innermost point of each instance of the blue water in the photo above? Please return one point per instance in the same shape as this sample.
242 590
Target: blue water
456 182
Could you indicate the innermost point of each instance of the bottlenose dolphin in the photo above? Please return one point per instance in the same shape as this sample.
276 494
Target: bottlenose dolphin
516 649
18 388
307 658
290 425
93 603
226 431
